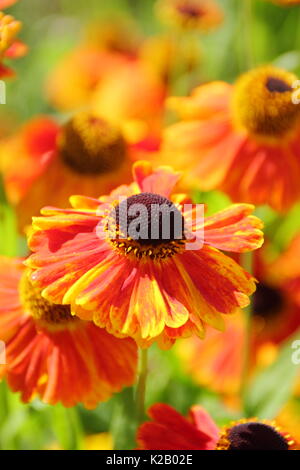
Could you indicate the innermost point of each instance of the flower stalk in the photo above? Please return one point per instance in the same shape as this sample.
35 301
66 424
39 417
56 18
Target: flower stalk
141 385
247 263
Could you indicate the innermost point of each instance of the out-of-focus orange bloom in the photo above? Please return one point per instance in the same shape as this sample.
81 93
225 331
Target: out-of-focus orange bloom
203 15
54 355
10 47
287 269
6 3
31 146
243 139
132 96
161 54
276 305
217 362
105 48
169 430
153 288
72 82
86 155
105 72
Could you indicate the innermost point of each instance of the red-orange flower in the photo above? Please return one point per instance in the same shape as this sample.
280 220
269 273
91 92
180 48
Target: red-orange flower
6 3
155 288
217 362
243 139
169 430
286 270
10 47
86 155
75 78
116 99
54 355
276 304
106 47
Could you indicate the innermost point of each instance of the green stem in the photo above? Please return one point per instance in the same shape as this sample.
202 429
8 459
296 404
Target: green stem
247 262
141 385
297 30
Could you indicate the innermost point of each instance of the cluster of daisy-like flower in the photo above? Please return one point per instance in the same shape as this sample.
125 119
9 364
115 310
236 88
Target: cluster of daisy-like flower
74 312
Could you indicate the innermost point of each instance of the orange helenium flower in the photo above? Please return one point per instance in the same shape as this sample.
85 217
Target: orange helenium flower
217 362
54 355
147 289
169 430
243 139
286 269
106 47
104 72
276 304
75 78
10 47
115 98
86 155
6 3
203 15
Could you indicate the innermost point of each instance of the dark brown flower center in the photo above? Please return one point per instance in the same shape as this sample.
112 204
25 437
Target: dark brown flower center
90 146
277 85
150 219
43 311
255 436
267 301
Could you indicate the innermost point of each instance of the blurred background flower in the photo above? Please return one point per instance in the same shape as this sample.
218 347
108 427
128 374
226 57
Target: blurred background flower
85 155
254 125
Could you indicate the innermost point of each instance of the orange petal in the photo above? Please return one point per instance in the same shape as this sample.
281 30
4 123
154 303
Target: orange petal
234 229
159 181
206 101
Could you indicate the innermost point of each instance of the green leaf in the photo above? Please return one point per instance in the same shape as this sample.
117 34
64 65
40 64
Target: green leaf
272 387
288 227
123 423
67 427
8 226
214 200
